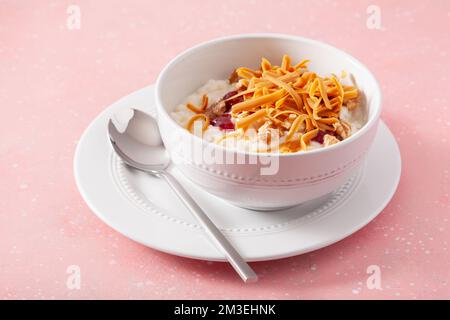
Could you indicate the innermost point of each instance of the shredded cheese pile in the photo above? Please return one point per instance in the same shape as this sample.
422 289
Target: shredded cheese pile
289 98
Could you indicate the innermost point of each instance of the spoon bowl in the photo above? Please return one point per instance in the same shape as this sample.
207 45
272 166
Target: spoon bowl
139 145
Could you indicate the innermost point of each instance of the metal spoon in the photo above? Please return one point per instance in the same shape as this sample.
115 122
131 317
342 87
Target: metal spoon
140 146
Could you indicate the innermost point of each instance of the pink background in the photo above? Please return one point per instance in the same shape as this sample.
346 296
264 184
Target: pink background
54 81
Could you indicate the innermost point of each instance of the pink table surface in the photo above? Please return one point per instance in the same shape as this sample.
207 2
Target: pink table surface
54 81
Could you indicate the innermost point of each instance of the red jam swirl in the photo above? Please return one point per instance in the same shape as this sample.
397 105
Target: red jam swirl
223 122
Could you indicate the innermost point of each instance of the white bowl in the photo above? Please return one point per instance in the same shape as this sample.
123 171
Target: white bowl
300 176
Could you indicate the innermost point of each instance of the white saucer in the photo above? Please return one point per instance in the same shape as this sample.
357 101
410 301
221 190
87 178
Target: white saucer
144 209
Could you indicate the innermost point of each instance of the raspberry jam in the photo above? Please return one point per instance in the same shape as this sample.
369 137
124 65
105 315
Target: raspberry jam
223 122
232 102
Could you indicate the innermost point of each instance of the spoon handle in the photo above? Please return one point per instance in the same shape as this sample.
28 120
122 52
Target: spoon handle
242 268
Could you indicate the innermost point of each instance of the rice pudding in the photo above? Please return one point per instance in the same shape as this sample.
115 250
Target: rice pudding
278 109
